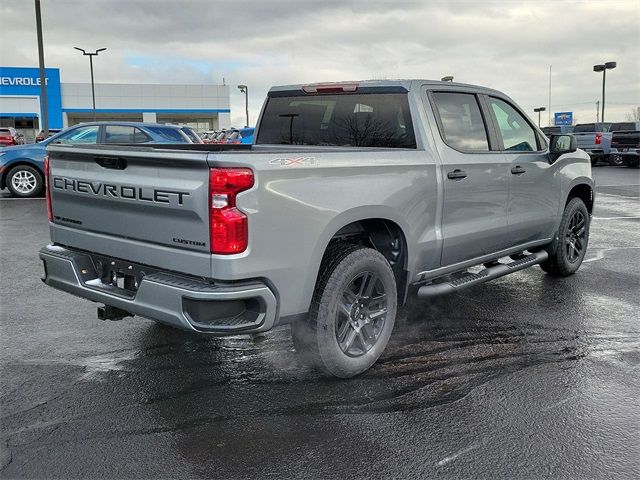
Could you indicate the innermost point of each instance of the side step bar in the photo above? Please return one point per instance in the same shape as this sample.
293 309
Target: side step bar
492 271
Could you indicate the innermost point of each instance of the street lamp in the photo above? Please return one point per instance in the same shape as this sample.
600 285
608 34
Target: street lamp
44 110
244 89
603 68
448 78
93 92
538 110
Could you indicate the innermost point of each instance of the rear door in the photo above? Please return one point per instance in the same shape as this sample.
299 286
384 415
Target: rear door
534 190
476 179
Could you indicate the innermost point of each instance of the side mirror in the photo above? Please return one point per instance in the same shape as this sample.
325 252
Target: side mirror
561 144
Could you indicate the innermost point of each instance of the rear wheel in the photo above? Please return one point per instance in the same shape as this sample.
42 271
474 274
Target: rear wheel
352 314
568 249
616 160
25 181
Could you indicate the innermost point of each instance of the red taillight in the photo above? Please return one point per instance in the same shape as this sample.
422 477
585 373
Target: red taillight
46 187
598 138
228 228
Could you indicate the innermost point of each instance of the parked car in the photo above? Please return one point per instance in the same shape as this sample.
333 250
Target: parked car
625 144
52 131
190 132
206 136
351 195
240 136
221 136
22 167
10 136
595 139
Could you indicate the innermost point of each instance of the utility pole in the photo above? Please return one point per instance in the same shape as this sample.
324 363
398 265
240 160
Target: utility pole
44 111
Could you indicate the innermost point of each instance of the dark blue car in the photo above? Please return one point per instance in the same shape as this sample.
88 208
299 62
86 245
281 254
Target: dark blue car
21 166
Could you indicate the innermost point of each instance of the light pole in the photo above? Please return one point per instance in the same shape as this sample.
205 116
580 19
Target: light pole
93 91
538 110
603 68
597 111
244 89
448 78
43 80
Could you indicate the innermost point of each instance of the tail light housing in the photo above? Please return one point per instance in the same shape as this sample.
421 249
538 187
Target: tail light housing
46 188
228 226
598 138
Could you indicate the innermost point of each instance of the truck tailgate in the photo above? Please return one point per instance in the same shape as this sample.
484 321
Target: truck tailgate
114 200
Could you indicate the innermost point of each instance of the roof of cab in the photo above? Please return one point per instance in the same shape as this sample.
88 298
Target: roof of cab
406 84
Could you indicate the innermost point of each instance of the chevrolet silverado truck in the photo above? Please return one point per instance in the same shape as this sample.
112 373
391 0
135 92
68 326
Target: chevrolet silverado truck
595 139
625 144
353 197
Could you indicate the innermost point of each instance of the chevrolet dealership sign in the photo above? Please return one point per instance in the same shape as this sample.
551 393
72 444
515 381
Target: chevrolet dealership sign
25 82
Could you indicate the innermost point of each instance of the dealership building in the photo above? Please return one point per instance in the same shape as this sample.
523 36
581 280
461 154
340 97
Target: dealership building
203 107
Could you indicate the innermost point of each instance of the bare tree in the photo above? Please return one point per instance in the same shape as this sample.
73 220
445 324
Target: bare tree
634 115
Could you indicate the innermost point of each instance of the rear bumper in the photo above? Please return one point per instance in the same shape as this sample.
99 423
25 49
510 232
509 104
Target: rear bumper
182 302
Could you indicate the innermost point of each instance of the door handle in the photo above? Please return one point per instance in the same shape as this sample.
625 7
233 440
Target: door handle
457 174
518 170
115 163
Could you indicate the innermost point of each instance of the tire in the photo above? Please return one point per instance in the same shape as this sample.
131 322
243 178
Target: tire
25 181
594 161
352 313
616 160
569 247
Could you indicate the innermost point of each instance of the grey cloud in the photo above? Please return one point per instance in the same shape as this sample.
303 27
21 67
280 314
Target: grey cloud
507 45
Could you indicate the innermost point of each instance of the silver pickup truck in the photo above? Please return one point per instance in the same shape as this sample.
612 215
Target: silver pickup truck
595 139
354 196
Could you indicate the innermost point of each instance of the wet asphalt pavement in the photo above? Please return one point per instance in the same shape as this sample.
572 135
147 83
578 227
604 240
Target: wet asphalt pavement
524 377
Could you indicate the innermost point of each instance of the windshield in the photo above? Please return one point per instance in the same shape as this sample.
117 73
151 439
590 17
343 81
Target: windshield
353 120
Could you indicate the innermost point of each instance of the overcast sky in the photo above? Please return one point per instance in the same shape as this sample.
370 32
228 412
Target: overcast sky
506 45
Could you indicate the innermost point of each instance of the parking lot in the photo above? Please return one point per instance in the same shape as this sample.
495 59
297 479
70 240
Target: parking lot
525 377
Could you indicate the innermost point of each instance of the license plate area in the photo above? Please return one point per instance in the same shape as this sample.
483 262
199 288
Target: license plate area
119 274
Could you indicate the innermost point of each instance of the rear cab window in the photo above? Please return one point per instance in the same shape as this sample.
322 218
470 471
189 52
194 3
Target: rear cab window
460 121
345 120
624 127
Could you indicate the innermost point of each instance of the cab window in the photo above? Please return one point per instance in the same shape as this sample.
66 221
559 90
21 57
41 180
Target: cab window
516 132
461 124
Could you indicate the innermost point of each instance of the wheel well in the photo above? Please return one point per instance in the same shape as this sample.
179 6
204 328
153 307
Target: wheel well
584 192
8 168
385 236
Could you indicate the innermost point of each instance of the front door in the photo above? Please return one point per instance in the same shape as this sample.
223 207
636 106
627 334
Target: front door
476 180
534 189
